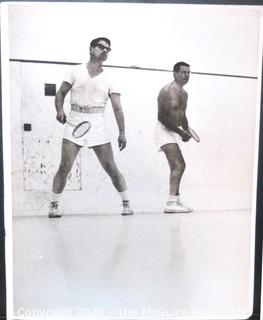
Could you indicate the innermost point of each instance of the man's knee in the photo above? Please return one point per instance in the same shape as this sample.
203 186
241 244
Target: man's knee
178 166
110 168
182 166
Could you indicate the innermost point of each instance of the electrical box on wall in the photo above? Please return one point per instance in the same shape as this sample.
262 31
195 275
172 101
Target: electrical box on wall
50 89
27 127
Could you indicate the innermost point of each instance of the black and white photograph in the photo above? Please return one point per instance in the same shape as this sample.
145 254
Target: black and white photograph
131 142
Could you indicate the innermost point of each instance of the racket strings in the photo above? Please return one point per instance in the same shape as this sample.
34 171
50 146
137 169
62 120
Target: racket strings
194 134
81 129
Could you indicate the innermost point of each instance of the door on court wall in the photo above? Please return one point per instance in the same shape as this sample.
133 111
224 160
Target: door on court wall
41 133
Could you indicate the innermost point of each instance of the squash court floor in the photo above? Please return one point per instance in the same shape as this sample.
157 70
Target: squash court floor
146 266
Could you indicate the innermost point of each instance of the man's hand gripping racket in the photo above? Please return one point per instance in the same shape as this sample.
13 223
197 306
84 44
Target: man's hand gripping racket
79 130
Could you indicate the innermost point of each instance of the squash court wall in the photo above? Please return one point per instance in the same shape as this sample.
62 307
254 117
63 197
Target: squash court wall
219 172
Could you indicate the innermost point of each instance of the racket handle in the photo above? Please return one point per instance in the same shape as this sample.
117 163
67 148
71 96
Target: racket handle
71 124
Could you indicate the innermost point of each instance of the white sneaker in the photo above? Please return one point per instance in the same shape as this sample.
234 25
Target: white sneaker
176 207
126 211
53 210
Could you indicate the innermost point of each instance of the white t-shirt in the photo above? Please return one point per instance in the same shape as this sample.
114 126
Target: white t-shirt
87 91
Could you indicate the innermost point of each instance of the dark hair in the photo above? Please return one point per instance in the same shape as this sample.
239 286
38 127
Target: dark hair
95 42
180 64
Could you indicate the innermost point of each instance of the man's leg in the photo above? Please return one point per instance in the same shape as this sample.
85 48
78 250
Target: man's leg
105 155
69 152
177 167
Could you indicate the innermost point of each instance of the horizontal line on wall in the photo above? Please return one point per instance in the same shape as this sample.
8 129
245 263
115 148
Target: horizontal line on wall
43 61
134 68
197 2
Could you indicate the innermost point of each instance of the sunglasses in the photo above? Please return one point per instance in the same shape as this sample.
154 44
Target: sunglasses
102 47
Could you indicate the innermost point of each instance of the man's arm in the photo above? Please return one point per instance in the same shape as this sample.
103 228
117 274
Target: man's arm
116 105
167 115
59 101
185 120
185 123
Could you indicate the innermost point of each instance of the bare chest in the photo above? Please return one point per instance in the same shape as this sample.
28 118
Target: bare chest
178 99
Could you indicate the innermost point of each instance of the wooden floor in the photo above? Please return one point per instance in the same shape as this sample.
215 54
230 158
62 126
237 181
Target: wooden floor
146 266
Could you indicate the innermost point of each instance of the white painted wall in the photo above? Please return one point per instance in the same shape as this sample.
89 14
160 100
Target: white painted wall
220 39
223 110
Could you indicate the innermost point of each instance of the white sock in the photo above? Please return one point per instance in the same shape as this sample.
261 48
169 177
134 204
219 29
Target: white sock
173 198
124 195
55 196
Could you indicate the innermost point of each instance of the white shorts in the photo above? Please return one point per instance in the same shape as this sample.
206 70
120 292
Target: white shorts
96 134
164 136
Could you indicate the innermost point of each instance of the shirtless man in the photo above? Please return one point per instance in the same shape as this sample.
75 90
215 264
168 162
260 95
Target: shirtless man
91 87
172 126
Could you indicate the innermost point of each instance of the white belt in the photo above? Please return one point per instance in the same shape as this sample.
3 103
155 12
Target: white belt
86 109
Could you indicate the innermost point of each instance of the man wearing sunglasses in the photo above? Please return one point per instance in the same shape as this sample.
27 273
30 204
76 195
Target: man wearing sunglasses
90 87
172 126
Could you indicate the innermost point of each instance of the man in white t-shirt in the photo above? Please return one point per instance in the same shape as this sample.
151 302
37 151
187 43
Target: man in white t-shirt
90 87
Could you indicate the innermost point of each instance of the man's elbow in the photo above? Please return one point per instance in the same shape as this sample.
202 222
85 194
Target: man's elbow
60 95
117 109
